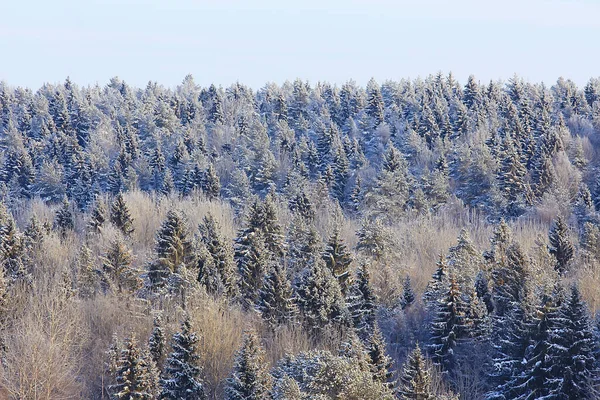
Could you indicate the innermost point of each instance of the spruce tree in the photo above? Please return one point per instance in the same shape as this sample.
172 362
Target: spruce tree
87 275
249 379
276 301
219 258
253 264
408 296
120 215
182 374
560 245
338 259
448 326
573 352
210 184
362 302
381 363
64 220
118 272
415 379
320 299
98 217
156 341
436 284
134 380
173 243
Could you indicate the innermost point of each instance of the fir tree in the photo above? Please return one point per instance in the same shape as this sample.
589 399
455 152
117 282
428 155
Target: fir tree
415 380
87 275
559 244
249 379
276 301
182 381
338 259
120 215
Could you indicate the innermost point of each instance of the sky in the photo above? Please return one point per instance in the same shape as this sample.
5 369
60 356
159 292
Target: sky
255 42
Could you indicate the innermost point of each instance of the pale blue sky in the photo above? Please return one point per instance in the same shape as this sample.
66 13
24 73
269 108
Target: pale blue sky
258 41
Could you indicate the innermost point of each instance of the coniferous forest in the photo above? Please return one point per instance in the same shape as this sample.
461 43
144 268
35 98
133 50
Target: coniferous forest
413 239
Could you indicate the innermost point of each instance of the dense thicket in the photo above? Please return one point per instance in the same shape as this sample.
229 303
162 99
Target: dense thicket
312 217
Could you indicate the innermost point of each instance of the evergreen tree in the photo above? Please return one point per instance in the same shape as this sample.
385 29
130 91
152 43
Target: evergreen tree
276 301
64 221
559 244
210 183
98 217
156 342
182 381
436 284
87 275
173 243
253 263
320 299
415 380
362 302
381 363
573 353
133 374
408 296
249 379
218 260
117 268
120 215
338 259
448 326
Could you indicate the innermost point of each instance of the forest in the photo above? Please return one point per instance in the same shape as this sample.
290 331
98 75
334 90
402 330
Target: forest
413 239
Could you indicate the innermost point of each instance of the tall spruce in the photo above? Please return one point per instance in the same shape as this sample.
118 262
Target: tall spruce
120 215
560 245
182 373
249 379
415 379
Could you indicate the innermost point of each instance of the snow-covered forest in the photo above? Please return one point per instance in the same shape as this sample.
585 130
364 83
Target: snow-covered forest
412 239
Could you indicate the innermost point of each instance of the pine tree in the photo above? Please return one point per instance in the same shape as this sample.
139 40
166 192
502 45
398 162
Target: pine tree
448 326
98 217
560 246
408 296
249 379
276 301
63 221
120 215
415 380
271 229
338 259
362 302
320 299
133 374
182 380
